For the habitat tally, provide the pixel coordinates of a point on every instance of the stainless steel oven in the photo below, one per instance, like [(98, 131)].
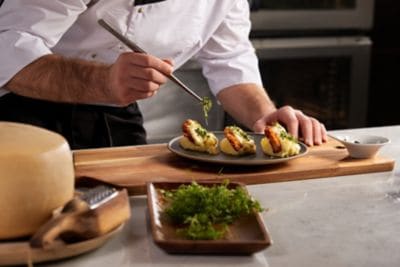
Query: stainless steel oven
[(326, 77), (315, 56)]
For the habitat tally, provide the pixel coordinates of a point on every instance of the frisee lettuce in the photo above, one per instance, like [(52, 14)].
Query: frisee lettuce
[(205, 212)]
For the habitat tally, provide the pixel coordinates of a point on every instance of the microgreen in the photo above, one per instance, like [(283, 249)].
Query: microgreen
[(205, 212)]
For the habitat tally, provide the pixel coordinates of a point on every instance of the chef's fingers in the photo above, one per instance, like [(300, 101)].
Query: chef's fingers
[(170, 61), (313, 131), (147, 74), (306, 127), (144, 86), (309, 129), (317, 133), (137, 95), (324, 133), (149, 61), (287, 116)]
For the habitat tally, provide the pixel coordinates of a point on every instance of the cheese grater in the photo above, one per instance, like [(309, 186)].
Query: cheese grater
[(94, 211)]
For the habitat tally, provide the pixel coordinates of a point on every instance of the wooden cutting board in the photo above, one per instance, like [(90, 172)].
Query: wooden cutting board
[(19, 252), (133, 166)]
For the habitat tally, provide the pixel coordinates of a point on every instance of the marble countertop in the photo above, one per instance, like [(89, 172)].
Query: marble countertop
[(338, 221)]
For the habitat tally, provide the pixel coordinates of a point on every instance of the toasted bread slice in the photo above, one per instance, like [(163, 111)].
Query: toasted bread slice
[(237, 142), (278, 142)]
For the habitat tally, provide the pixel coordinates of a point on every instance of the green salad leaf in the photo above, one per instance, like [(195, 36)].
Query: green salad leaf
[(204, 212)]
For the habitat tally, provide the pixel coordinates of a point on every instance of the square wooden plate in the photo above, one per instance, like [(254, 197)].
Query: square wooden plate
[(246, 235)]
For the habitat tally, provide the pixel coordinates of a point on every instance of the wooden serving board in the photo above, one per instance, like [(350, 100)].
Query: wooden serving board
[(133, 166), (20, 253)]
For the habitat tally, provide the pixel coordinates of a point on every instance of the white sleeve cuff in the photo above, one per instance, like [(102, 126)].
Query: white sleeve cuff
[(223, 73)]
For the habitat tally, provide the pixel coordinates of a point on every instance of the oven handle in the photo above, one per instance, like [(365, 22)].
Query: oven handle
[(278, 48)]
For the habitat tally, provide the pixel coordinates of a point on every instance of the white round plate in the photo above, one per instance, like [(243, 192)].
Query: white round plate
[(256, 159)]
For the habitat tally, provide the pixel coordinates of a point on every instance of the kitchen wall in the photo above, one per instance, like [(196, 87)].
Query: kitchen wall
[(385, 65)]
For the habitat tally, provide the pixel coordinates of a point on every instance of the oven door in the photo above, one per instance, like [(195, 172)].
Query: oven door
[(326, 77), (272, 15)]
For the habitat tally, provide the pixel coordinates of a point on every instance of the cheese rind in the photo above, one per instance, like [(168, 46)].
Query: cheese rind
[(36, 177)]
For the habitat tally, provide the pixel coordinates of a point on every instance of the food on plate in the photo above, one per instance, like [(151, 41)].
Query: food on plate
[(196, 137), (36, 177), (205, 212), (237, 142), (278, 142)]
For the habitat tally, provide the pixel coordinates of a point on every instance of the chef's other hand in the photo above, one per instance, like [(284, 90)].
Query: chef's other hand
[(309, 129), (136, 76)]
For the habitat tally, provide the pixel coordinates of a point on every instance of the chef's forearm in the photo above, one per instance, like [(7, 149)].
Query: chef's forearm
[(56, 78), (247, 103)]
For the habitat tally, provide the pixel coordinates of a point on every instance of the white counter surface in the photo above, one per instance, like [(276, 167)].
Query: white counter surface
[(342, 221)]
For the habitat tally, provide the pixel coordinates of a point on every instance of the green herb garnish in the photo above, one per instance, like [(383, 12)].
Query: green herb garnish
[(204, 212), (286, 135), (207, 105), (201, 131), (241, 133)]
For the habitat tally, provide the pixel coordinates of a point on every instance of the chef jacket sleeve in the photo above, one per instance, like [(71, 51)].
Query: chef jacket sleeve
[(228, 57), (30, 28)]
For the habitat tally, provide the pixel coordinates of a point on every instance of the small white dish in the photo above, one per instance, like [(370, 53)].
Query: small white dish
[(361, 146)]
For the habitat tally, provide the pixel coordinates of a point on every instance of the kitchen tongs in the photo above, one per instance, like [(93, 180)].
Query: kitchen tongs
[(134, 47)]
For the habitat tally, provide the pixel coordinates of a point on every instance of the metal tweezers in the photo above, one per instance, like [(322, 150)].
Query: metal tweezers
[(137, 49)]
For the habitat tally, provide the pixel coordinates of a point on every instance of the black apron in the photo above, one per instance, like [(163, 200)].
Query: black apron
[(83, 126)]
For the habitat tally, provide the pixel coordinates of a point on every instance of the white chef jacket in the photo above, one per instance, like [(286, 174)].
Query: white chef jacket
[(214, 32)]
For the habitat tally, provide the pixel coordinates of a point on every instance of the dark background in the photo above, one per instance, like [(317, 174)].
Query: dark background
[(384, 106)]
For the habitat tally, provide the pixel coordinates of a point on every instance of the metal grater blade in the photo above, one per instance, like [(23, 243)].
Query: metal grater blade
[(98, 195)]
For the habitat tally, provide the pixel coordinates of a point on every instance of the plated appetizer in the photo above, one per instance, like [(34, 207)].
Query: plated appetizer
[(237, 142), (197, 138), (278, 142)]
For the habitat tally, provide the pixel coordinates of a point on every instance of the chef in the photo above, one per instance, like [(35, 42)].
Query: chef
[(62, 71)]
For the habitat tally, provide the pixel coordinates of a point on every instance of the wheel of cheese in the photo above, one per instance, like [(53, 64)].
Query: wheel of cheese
[(36, 177)]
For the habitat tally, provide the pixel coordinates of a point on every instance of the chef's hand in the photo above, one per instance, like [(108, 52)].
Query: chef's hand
[(136, 76), (309, 129)]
